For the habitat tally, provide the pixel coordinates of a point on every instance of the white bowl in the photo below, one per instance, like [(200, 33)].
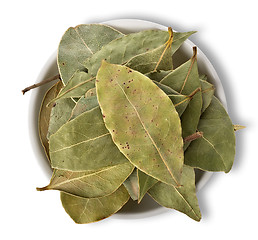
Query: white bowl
[(148, 206)]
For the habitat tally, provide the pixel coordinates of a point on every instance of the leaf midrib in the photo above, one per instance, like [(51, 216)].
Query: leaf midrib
[(222, 159), (76, 30), (76, 144), (153, 142)]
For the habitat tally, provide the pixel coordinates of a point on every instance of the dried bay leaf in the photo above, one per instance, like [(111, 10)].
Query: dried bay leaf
[(157, 59), (214, 151), (90, 184), (79, 43), (161, 57), (83, 144), (138, 184), (140, 123), (132, 186), (146, 182), (87, 210), (76, 86), (180, 102), (179, 38), (84, 105), (121, 50), (182, 199), (166, 89), (157, 76), (185, 80), (44, 115), (207, 94), (60, 114), (91, 92)]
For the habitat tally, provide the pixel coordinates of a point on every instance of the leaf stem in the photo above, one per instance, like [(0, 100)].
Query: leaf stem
[(194, 92), (193, 59), (192, 137), (45, 81), (42, 189), (168, 45)]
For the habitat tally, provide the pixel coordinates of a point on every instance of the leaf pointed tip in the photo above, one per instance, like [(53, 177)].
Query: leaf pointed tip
[(238, 127), (104, 62)]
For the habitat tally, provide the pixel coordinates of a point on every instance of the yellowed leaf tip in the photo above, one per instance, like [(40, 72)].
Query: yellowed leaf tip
[(238, 127)]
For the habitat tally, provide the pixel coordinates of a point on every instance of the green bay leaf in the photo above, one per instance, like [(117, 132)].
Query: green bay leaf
[(207, 93), (145, 183), (90, 184), (152, 60), (180, 102), (79, 43), (60, 114), (132, 186), (157, 76), (84, 105), (44, 115), (142, 120), (77, 85), (87, 210), (161, 57), (121, 50), (185, 80), (182, 199), (84, 143), (214, 151)]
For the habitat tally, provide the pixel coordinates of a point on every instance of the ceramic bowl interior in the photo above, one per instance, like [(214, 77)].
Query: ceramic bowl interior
[(148, 206)]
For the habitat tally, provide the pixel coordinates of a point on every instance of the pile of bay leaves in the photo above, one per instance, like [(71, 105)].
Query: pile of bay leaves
[(122, 122)]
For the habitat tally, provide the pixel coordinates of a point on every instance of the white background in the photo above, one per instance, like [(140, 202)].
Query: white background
[(30, 32)]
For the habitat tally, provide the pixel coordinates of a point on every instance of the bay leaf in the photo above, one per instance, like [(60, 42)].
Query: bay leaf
[(185, 80), (79, 43), (132, 186), (121, 50), (158, 75), (138, 184), (179, 38), (83, 144), (142, 121), (180, 102), (91, 92), (152, 60), (146, 182), (207, 93), (44, 115), (84, 105), (182, 199), (60, 114), (214, 151), (161, 57), (87, 210), (90, 184), (76, 86), (166, 89), (203, 77)]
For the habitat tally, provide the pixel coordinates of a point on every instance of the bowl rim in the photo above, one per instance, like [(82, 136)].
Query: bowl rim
[(126, 24)]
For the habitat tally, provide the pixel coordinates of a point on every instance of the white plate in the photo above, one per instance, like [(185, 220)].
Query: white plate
[(147, 207)]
